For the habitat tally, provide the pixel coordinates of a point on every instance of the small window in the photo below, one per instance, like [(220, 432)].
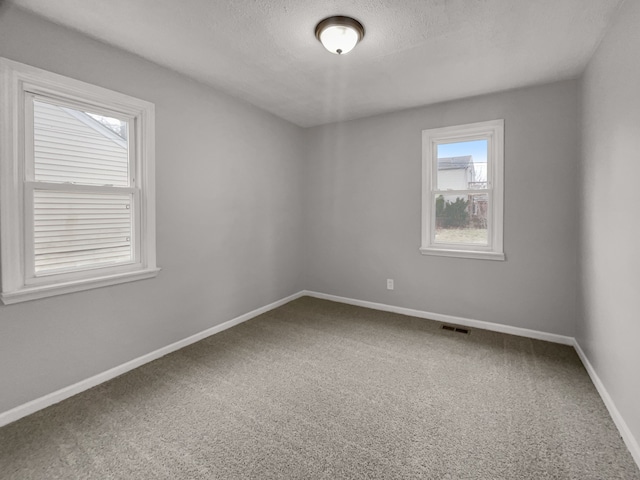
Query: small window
[(462, 187), (78, 175)]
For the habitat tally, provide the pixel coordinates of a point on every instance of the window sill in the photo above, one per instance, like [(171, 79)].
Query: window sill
[(441, 252), (42, 291)]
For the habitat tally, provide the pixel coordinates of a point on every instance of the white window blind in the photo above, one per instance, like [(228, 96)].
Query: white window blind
[(78, 230)]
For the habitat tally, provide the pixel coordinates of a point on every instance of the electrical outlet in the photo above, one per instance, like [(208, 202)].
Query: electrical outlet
[(389, 283)]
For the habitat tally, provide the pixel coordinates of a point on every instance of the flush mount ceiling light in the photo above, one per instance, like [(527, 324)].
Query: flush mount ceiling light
[(339, 34)]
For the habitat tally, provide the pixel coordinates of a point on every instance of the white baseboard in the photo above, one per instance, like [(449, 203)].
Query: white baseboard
[(623, 428), (467, 322), (64, 393)]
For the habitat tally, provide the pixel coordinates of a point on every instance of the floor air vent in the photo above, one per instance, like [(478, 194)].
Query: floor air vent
[(451, 328)]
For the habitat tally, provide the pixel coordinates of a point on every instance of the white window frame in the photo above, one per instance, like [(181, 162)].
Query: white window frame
[(18, 82), (493, 132)]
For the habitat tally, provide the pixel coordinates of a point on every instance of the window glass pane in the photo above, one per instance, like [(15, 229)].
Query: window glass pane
[(462, 219), (462, 165), (78, 230), (79, 147)]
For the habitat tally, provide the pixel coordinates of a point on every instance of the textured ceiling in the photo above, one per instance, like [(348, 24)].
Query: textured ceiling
[(415, 52)]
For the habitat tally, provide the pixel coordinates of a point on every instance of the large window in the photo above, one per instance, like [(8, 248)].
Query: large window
[(462, 191), (77, 205)]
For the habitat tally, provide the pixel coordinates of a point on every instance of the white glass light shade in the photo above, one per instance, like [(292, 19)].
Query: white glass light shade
[(339, 39), (339, 35)]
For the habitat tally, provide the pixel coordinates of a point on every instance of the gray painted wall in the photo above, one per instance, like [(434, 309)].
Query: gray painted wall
[(228, 221), (363, 212), (609, 325)]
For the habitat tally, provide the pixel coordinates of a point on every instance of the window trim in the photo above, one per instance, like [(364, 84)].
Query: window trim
[(493, 131), (18, 81)]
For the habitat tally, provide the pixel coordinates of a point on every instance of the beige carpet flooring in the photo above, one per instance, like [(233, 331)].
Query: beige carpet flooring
[(320, 390)]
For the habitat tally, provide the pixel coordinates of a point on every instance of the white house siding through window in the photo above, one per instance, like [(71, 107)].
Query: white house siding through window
[(75, 229)]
